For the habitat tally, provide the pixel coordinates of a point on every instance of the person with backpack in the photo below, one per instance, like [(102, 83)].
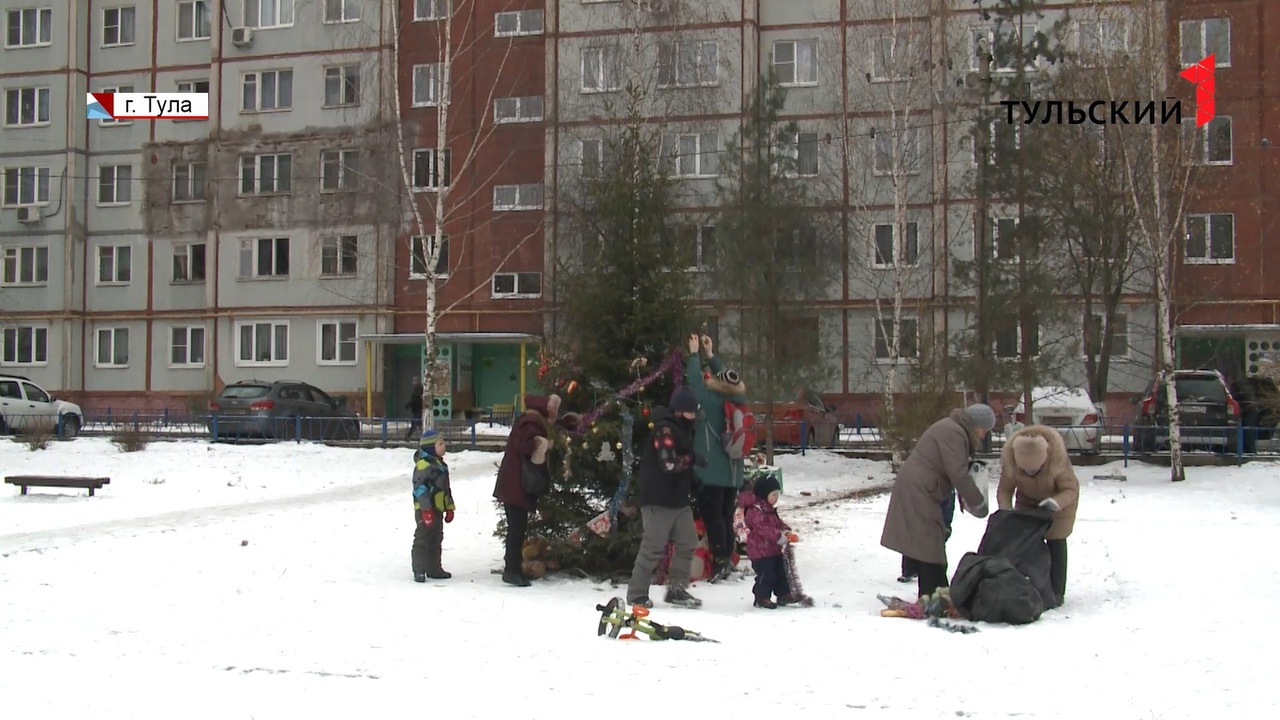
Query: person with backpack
[(724, 435)]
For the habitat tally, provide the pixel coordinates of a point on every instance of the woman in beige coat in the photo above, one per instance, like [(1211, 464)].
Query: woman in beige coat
[(942, 460), (1035, 471)]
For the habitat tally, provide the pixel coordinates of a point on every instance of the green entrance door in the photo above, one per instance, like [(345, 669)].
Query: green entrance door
[(496, 374)]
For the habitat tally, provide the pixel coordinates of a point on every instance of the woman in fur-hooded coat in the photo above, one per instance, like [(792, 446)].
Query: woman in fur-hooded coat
[(1036, 472)]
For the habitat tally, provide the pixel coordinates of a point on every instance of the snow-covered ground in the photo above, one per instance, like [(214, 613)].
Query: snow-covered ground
[(273, 582)]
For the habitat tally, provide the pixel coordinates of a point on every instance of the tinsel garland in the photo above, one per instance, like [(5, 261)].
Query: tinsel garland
[(628, 461), (671, 365), (793, 578)]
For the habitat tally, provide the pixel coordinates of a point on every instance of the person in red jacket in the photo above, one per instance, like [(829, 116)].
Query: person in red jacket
[(529, 440)]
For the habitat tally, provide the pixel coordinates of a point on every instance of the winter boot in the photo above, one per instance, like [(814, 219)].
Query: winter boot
[(439, 574), (720, 569), (419, 577), (907, 577), (681, 597), (788, 599), (643, 602), (764, 602), (515, 578), (436, 571)]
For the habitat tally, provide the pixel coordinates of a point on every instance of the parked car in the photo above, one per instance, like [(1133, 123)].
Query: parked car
[(1076, 418), (814, 417), (1209, 415), (283, 409), (24, 404), (1259, 399)]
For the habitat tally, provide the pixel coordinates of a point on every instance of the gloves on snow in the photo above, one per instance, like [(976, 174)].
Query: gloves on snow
[(699, 460), (448, 516), (1050, 504), (540, 447)]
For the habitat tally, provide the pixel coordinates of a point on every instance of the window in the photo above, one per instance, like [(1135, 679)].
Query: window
[(115, 264), (116, 89), (806, 249), (338, 255), (420, 257), (1003, 238), (115, 184), (25, 345), (193, 20), (517, 197), (186, 347), (697, 246), (337, 343), (262, 343), (1199, 39), (693, 155), (799, 342), (1211, 239), (1005, 140), (193, 86), (520, 22), (430, 9), (264, 258), (189, 182), (517, 285), (801, 149), (1094, 326), (599, 69), (26, 265), (897, 153), (1098, 39), (29, 27), (890, 251), (113, 348), (266, 90), (908, 339), (341, 11), (688, 64), (1008, 342), (517, 109), (117, 26), (795, 62), (26, 106), (342, 86), (426, 170), (427, 82), (1005, 45), (339, 170), (266, 14), (26, 186), (188, 262), (1208, 145), (596, 154), (266, 174), (895, 57)]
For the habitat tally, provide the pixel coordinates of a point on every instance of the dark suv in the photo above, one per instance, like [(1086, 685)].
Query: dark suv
[(1209, 416), (282, 409)]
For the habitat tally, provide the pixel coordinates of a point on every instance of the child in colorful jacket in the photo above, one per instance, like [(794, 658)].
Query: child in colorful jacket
[(432, 506), (767, 535)]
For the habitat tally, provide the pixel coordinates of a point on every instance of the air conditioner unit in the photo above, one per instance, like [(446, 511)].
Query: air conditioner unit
[(242, 36), (29, 214)]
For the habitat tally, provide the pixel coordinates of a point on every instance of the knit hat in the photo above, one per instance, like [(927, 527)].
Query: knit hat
[(683, 400), (764, 486), (981, 417), (428, 441), (1030, 453), (729, 376)]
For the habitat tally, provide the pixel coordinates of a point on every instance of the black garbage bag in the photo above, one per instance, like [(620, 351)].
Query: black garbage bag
[(1018, 536), (990, 589)]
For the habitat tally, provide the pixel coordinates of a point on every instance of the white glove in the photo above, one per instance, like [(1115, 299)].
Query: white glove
[(540, 447), (1050, 504), (782, 540)]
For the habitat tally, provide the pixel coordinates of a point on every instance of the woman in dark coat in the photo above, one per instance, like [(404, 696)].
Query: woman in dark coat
[(940, 463), (529, 440)]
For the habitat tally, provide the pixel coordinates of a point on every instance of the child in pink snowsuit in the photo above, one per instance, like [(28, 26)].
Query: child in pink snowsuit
[(767, 535)]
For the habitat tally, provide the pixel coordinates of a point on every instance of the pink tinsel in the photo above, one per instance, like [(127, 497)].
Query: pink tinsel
[(673, 363)]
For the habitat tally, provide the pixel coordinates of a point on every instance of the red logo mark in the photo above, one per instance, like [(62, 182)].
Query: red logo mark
[(1201, 75)]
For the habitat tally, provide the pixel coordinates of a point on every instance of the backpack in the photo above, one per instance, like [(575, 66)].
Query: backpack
[(739, 436)]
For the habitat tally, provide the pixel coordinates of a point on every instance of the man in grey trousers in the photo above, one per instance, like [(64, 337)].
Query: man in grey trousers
[(666, 481)]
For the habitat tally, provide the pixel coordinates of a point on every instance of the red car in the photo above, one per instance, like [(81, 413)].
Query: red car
[(818, 423)]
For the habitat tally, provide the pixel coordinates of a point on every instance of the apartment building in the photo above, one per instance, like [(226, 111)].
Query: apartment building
[(1229, 301), (147, 262), (867, 81), (479, 196)]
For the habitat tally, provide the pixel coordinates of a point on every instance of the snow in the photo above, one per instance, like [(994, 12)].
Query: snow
[(272, 582)]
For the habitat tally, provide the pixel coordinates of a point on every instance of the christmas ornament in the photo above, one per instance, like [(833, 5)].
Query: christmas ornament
[(619, 446), (606, 454), (573, 385)]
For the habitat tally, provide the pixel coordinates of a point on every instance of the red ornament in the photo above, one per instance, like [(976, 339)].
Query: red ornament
[(644, 411), (706, 376)]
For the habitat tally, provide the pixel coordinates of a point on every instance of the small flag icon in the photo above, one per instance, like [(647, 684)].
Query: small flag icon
[(99, 105)]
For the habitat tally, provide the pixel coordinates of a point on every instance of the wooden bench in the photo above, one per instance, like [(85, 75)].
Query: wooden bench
[(61, 481)]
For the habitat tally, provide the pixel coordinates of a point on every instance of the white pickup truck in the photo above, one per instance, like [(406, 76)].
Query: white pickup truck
[(24, 404)]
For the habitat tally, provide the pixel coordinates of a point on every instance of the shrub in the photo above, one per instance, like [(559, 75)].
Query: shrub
[(130, 438), (38, 433)]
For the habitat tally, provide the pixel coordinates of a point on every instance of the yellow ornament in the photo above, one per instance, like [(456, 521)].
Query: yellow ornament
[(618, 445), (584, 446), (651, 425)]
